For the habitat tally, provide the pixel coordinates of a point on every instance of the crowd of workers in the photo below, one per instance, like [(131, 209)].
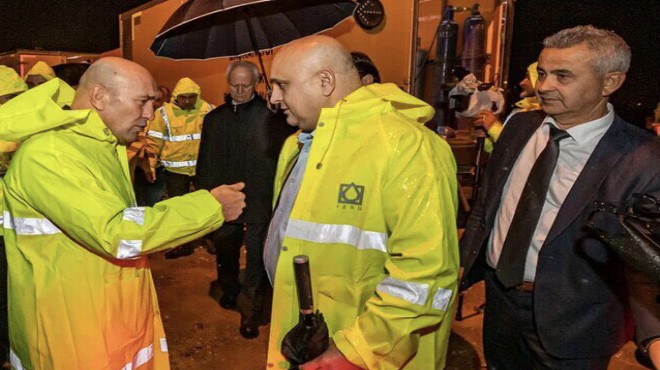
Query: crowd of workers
[(98, 178)]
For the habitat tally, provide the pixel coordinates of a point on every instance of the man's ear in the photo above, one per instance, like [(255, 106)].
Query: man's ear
[(367, 79), (98, 96), (328, 82), (612, 82)]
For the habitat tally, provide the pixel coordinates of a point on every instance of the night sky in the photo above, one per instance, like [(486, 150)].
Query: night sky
[(66, 25)]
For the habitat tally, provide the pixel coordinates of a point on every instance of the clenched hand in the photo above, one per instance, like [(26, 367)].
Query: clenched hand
[(231, 198)]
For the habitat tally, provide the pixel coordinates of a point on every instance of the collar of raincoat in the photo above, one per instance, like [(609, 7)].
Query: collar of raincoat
[(530, 103), (10, 81), (42, 69), (384, 98), (39, 110)]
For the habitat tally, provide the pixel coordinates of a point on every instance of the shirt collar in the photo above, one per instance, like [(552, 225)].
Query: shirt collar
[(588, 131)]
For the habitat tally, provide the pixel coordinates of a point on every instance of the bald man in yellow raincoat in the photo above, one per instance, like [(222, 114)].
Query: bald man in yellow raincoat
[(81, 295)]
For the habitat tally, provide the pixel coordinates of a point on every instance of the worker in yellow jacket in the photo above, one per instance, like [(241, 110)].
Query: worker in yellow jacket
[(174, 136), (81, 295), (11, 85), (39, 73), (175, 132), (369, 194), (491, 123)]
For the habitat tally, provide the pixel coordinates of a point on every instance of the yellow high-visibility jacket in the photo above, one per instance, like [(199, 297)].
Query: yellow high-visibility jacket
[(81, 295), (175, 133), (376, 214)]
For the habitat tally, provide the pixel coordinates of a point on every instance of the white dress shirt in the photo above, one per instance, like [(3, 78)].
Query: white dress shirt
[(574, 152)]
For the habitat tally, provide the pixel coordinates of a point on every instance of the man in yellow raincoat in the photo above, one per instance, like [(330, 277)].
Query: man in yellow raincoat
[(11, 85), (371, 198), (81, 295), (39, 73), (491, 123), (174, 136)]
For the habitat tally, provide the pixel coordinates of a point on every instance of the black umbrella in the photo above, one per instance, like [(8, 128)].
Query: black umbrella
[(640, 245), (204, 29), (310, 337)]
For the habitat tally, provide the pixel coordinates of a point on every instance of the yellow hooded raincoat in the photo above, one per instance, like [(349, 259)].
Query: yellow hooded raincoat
[(81, 295), (175, 133), (42, 69), (376, 216)]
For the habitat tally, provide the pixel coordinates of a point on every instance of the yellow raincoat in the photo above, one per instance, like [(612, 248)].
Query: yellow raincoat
[(42, 69), (376, 214), (10, 83), (81, 295), (175, 133), (523, 105)]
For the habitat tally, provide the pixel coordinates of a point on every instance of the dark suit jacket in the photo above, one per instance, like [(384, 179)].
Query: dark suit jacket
[(242, 143), (581, 298)]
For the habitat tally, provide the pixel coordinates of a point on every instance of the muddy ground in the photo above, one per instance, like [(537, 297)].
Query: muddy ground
[(203, 336)]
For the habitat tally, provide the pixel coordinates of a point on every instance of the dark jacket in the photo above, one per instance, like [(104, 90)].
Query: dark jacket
[(581, 299), (242, 143)]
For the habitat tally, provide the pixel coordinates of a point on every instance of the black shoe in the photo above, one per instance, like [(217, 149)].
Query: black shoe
[(181, 251), (228, 301), (249, 327)]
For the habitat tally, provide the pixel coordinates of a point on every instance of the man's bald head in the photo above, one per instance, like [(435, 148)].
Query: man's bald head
[(310, 74), (121, 92)]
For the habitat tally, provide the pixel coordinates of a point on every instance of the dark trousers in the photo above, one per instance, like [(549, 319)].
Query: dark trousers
[(146, 193), (228, 241), (177, 184), (510, 335)]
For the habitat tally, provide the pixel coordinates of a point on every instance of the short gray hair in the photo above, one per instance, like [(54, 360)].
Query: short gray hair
[(256, 76), (610, 52)]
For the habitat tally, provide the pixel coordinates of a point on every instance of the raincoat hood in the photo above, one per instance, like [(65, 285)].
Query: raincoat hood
[(530, 103), (42, 69), (533, 73), (10, 82), (187, 86), (387, 97), (40, 109)]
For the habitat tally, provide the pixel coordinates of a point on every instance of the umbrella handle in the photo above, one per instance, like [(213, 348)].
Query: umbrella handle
[(256, 50), (303, 284)]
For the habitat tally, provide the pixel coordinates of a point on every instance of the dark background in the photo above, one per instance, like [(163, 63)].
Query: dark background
[(638, 22), (65, 25), (93, 26)]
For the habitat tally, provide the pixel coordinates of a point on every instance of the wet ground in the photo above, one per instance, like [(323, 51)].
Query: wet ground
[(203, 336)]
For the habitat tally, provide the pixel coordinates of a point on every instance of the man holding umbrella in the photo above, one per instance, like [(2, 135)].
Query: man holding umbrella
[(369, 195)]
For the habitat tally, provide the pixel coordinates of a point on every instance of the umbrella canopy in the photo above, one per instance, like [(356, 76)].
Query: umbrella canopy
[(639, 247), (204, 29)]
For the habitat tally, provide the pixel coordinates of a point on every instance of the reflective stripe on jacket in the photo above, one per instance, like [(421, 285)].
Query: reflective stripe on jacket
[(376, 214), (81, 295), (175, 134)]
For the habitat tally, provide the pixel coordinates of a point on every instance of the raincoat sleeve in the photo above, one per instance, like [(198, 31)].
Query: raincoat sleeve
[(92, 212), (420, 208), (493, 134)]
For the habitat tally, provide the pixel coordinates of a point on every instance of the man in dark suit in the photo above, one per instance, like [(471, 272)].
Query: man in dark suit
[(556, 296), (241, 139)]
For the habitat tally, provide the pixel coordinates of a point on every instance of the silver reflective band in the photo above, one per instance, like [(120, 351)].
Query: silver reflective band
[(135, 214), (29, 226), (155, 134), (179, 164), (344, 234), (441, 299), (142, 357), (15, 361), (163, 345), (128, 249), (163, 114), (180, 138), (415, 293)]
